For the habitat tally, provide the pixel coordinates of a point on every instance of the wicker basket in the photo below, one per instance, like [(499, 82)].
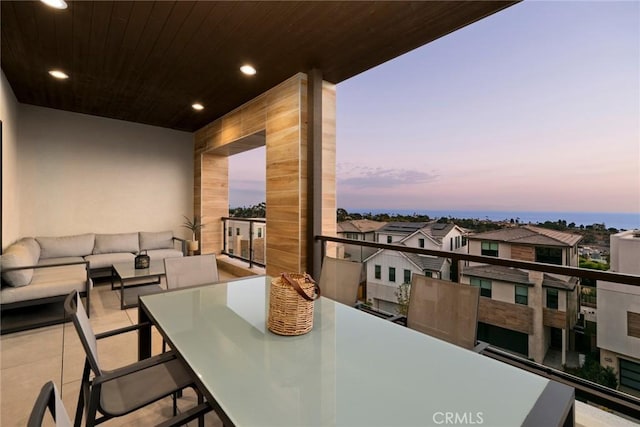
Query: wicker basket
[(291, 304)]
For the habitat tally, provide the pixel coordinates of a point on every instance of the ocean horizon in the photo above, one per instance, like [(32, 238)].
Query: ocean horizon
[(619, 220)]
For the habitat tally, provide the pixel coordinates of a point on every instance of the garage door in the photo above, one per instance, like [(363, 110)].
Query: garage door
[(504, 338), (630, 374)]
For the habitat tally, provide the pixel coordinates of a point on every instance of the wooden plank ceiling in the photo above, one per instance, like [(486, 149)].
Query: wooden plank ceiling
[(147, 62)]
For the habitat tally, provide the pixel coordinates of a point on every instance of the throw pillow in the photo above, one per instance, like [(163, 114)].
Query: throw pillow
[(113, 243), (159, 240), (21, 254), (65, 246)]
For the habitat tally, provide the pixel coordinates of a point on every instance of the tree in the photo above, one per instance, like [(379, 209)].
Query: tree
[(402, 294), (593, 371), (255, 211), (342, 215)]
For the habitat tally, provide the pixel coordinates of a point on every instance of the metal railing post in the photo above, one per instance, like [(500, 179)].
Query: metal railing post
[(250, 243)]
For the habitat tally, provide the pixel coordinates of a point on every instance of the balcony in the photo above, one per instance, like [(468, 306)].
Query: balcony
[(149, 176), (31, 357), (624, 404)]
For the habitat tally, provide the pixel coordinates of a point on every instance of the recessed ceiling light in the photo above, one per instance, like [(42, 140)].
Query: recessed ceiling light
[(248, 70), (197, 106), (59, 74), (57, 4)]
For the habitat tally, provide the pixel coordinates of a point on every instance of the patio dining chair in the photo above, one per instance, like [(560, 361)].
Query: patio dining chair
[(340, 279), (48, 398), (445, 310), (126, 389), (191, 271)]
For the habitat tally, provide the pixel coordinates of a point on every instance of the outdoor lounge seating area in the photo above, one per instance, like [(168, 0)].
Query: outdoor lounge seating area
[(43, 270)]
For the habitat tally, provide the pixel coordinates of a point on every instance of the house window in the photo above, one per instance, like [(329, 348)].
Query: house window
[(230, 231), (522, 295), (490, 248), (484, 285), (237, 231), (421, 243), (407, 276), (552, 298), (451, 244), (259, 233), (457, 242), (392, 274), (428, 274), (464, 240), (378, 271), (388, 239), (549, 255)]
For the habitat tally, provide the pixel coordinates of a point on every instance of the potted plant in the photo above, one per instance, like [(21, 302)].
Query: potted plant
[(194, 225)]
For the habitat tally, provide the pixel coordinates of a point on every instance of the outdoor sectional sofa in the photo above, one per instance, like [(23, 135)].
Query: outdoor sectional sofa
[(43, 270)]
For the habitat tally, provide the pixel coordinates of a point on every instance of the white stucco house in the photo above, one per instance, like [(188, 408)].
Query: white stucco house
[(618, 324), (388, 269)]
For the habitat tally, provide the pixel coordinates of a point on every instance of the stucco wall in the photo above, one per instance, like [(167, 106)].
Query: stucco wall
[(81, 173), (10, 207), (614, 301)]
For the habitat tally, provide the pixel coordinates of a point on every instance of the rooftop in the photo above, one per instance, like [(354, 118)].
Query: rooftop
[(399, 227), (359, 226), (531, 235), (515, 275)]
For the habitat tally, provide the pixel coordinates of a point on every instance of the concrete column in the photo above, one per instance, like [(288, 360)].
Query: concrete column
[(537, 348)]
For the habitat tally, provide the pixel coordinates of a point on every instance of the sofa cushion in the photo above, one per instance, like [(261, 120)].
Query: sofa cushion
[(61, 260), (160, 254), (65, 246), (159, 240), (23, 253), (112, 243), (48, 282), (107, 260)]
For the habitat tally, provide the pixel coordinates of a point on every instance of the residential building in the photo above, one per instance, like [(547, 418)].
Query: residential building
[(388, 269), (527, 312), (238, 234), (358, 229), (618, 322)]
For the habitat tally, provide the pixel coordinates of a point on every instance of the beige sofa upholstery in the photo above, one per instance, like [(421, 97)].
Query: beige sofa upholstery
[(45, 269)]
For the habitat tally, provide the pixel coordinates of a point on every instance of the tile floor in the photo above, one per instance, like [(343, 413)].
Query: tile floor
[(31, 358)]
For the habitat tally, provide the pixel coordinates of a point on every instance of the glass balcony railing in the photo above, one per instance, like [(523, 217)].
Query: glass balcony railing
[(245, 239), (530, 324)]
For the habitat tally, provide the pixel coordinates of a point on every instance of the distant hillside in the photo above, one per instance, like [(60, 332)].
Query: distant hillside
[(594, 235)]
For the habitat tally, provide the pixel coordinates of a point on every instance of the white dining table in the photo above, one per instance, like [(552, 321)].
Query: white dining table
[(351, 369)]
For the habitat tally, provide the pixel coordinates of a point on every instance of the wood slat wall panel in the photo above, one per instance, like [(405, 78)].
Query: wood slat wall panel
[(281, 114), (254, 116), (284, 146), (554, 318), (523, 253), (214, 202), (277, 113), (505, 315), (232, 126), (329, 202), (633, 324)]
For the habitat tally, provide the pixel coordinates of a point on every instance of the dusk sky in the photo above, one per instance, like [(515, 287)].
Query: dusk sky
[(535, 108)]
